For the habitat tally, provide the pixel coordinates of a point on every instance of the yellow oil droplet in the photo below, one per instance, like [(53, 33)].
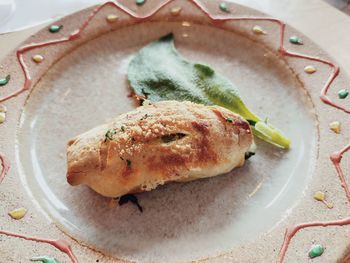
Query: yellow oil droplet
[(38, 58), (18, 213), (329, 205), (112, 18), (2, 117), (319, 196), (335, 126), (310, 69), (259, 30), (175, 11), (3, 108)]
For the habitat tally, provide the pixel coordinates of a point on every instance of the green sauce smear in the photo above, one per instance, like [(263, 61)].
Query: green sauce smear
[(55, 28), (45, 259), (316, 251), (5, 80), (159, 71)]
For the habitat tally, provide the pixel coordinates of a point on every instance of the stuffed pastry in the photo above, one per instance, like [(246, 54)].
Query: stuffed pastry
[(167, 141)]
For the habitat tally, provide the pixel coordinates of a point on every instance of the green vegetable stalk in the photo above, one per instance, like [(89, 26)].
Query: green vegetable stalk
[(160, 73)]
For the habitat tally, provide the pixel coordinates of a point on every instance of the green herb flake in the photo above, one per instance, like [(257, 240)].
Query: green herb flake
[(128, 162), (172, 137), (251, 123), (247, 155), (145, 93), (109, 135), (145, 116), (130, 198), (183, 80), (230, 120), (122, 128)]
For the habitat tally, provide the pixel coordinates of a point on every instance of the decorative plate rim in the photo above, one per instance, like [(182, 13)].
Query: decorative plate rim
[(335, 157)]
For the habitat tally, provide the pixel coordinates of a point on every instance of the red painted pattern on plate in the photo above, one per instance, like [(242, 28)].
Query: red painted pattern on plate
[(335, 157), (290, 233), (336, 160), (60, 244), (5, 163)]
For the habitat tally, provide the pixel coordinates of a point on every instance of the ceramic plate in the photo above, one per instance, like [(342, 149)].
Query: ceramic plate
[(265, 211)]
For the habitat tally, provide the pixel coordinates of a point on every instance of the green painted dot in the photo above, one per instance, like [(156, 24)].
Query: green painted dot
[(316, 251), (295, 40), (140, 2), (45, 259), (4, 81), (55, 28), (343, 93), (224, 8)]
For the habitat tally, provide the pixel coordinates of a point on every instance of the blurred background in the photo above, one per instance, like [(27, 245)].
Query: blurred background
[(20, 14), (343, 5)]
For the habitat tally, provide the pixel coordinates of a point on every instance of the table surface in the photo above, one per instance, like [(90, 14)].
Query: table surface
[(327, 26)]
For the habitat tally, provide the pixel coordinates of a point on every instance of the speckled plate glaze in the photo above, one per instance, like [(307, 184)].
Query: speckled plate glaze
[(71, 77)]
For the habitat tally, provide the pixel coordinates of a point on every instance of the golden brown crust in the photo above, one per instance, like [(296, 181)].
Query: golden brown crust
[(155, 144)]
